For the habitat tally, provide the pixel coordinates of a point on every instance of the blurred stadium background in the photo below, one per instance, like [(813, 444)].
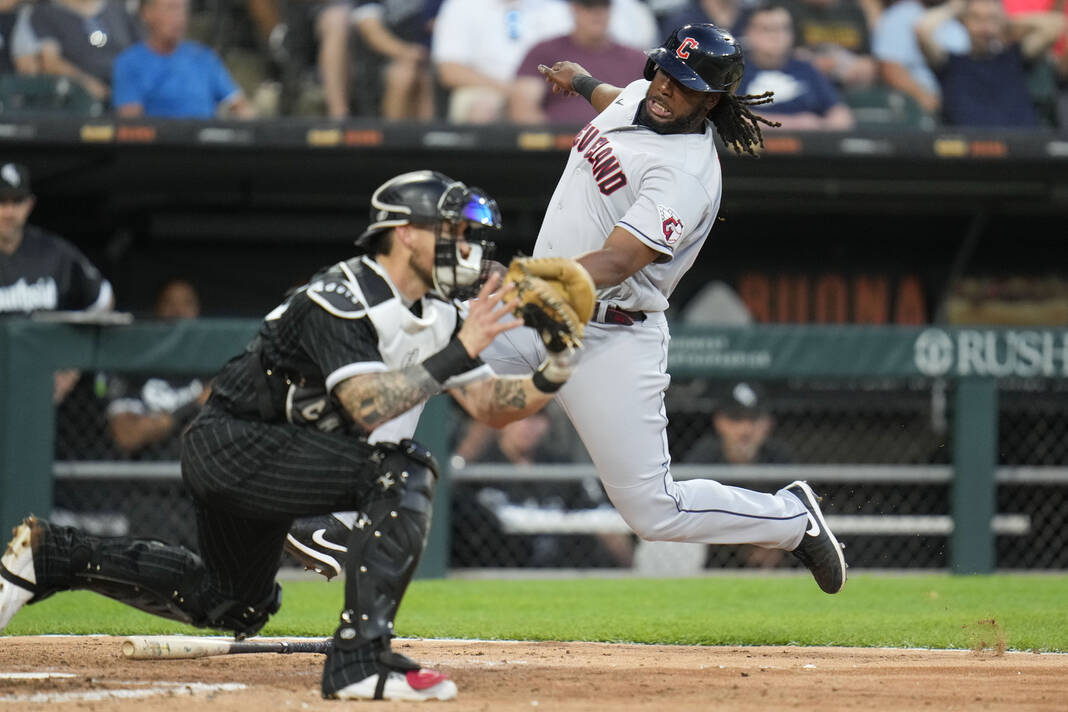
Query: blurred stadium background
[(881, 451), (888, 229)]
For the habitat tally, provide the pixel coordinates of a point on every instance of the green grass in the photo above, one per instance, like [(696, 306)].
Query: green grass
[(898, 611)]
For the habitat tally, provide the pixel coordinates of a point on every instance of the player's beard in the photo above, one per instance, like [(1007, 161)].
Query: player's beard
[(424, 275), (682, 124)]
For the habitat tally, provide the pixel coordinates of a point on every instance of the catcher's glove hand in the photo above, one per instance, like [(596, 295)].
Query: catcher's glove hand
[(556, 297)]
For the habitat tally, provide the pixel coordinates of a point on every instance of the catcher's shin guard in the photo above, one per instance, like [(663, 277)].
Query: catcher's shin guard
[(385, 544), (383, 550), (161, 579)]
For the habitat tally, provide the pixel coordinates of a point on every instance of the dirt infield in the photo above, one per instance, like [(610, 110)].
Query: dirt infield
[(90, 673)]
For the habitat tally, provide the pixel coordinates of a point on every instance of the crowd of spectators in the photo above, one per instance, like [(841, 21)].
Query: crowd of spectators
[(833, 64)]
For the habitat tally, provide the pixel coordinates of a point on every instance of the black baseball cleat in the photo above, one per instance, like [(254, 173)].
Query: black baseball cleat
[(319, 543), (18, 584), (819, 550)]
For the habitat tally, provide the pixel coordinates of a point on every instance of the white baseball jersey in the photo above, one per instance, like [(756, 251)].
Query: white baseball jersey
[(663, 189)]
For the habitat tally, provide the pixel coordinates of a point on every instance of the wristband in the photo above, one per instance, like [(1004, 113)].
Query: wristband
[(450, 361), (584, 85), (553, 373)]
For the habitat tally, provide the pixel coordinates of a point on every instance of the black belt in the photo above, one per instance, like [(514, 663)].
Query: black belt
[(608, 314)]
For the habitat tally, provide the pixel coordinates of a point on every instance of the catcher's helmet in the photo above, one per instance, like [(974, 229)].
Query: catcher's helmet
[(430, 199), (427, 198), (700, 56)]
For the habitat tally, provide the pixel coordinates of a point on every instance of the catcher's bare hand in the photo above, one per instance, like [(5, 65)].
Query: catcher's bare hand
[(560, 76), (485, 317)]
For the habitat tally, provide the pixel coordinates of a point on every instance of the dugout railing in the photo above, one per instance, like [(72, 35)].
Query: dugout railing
[(971, 360)]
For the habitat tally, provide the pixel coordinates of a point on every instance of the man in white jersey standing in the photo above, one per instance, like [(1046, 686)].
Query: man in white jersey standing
[(639, 195)]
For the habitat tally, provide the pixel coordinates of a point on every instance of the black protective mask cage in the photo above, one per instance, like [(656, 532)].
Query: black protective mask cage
[(457, 277), (449, 270)]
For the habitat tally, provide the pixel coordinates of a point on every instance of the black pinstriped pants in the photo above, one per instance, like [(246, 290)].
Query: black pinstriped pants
[(250, 480)]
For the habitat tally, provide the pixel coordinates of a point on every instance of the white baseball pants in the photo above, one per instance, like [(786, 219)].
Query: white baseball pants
[(615, 399)]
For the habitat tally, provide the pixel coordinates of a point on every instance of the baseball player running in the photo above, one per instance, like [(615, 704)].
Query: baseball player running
[(639, 195), (357, 349)]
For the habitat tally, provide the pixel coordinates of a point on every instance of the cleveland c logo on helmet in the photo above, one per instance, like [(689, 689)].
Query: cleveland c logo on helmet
[(683, 51), (699, 56)]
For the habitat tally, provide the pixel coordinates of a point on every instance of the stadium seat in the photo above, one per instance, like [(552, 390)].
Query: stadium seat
[(45, 95), (1042, 85), (885, 109)]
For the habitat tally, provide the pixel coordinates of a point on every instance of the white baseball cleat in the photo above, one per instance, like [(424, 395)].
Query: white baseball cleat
[(411, 686), (17, 579)]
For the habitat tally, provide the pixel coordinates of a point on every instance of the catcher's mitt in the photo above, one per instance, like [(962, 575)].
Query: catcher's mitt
[(556, 297)]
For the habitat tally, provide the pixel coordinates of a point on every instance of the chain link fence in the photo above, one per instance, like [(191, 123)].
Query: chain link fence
[(116, 468), (878, 450)]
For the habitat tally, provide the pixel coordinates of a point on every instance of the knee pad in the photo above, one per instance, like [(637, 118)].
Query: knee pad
[(241, 617), (385, 544)]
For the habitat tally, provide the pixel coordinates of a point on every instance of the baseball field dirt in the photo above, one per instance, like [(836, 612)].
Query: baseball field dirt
[(89, 673)]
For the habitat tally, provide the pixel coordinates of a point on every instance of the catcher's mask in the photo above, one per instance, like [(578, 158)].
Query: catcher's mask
[(457, 276), (701, 57), (434, 201)]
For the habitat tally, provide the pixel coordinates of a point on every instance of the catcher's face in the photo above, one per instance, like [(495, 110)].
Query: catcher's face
[(459, 262), (445, 261), (461, 253), (425, 245)]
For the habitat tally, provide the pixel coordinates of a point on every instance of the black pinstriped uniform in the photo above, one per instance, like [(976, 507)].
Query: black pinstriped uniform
[(254, 465), (271, 445), (48, 273)]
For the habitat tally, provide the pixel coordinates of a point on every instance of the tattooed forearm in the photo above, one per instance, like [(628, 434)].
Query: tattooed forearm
[(510, 393), (501, 400), (374, 398)]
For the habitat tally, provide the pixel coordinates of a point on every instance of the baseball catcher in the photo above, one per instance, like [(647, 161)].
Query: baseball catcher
[(315, 416)]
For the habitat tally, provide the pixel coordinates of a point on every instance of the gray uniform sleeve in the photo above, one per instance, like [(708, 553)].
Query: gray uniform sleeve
[(671, 209)]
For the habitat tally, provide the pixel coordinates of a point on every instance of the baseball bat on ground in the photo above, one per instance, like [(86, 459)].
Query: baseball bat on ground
[(184, 647)]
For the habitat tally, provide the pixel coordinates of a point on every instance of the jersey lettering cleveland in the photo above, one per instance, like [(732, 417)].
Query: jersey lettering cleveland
[(347, 321), (663, 189)]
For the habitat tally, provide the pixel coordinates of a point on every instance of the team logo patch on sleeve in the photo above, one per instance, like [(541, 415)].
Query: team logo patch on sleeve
[(670, 224)]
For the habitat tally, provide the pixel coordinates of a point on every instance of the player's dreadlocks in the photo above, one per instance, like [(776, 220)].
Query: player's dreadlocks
[(737, 125)]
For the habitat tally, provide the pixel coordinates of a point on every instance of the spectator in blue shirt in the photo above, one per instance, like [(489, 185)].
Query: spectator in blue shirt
[(804, 97), (167, 75)]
